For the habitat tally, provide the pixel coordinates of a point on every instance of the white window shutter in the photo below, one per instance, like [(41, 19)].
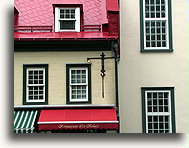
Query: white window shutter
[(56, 19), (77, 16)]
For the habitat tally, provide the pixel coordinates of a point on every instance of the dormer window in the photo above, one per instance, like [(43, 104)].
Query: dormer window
[(67, 19)]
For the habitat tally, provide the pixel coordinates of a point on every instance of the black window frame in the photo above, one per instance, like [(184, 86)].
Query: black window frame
[(172, 105), (25, 66), (169, 30), (80, 65)]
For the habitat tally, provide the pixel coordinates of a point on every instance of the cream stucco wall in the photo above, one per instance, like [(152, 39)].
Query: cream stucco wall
[(57, 74), (138, 69)]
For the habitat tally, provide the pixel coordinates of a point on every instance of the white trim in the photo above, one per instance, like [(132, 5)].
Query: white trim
[(77, 16), (65, 106), (76, 19), (77, 122), (169, 113), (77, 84), (27, 84), (56, 24), (156, 19)]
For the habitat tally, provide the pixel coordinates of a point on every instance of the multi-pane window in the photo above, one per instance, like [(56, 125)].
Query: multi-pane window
[(156, 24), (35, 84), (67, 19), (78, 84), (158, 110)]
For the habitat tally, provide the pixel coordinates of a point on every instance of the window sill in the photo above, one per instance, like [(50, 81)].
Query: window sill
[(67, 31), (156, 50), (79, 102), (35, 103)]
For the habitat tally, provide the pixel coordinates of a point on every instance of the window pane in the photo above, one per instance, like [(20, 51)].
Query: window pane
[(79, 92), (151, 1), (61, 10), (157, 1), (154, 10), (67, 11), (79, 76), (157, 105), (154, 95), (73, 11), (35, 77), (61, 16), (40, 97), (30, 97), (72, 15), (67, 25), (147, 44), (79, 87), (149, 101)]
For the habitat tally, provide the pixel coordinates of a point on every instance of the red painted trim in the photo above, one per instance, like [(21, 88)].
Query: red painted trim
[(95, 35), (62, 39), (112, 5)]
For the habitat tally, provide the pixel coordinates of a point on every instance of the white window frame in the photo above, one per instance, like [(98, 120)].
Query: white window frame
[(77, 84), (156, 19), (27, 85), (57, 19), (169, 113)]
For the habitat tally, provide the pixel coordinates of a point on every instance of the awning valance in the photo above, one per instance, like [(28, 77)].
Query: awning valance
[(24, 121), (78, 119)]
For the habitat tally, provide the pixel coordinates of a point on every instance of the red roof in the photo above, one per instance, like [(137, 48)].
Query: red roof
[(78, 119), (62, 35), (40, 12)]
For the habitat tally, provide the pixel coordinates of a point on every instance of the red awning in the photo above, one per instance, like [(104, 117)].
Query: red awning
[(78, 119)]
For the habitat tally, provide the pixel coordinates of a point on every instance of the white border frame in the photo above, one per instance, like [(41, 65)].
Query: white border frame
[(82, 84), (77, 19), (27, 85), (159, 113), (156, 19)]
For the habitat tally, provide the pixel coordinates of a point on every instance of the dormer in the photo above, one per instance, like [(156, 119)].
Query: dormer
[(68, 18)]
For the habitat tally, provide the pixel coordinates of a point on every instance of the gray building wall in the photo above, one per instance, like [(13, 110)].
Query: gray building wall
[(157, 69)]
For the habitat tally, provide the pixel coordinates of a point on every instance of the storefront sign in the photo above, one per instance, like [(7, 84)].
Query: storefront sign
[(78, 126)]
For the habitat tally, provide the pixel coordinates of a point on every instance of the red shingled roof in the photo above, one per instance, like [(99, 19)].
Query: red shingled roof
[(40, 13)]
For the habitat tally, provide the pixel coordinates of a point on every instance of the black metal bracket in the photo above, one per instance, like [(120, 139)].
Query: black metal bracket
[(103, 58)]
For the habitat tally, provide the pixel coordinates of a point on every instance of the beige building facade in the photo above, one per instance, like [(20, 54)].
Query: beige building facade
[(65, 66), (157, 71), (57, 75)]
